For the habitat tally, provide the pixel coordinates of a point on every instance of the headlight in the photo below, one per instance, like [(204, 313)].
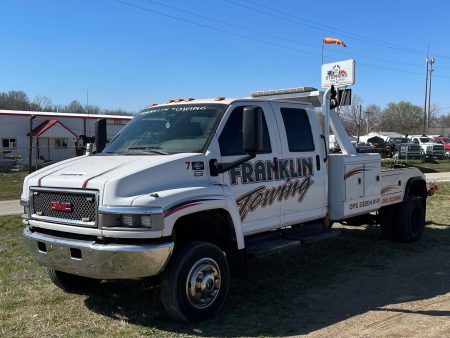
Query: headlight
[(429, 147), (127, 220), (136, 221), (131, 218), (146, 221)]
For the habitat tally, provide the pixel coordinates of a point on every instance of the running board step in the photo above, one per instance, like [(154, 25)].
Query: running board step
[(265, 248), (281, 240), (311, 236)]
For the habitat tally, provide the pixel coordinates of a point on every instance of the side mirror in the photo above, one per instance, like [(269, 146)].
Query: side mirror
[(100, 135), (252, 128)]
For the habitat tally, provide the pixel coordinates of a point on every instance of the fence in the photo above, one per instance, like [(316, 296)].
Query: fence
[(43, 155)]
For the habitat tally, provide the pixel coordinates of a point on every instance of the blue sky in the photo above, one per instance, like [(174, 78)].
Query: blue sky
[(128, 57)]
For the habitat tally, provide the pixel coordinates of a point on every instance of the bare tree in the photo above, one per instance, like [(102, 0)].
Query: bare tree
[(18, 100), (14, 100), (434, 120), (350, 116), (74, 107), (372, 115), (44, 103)]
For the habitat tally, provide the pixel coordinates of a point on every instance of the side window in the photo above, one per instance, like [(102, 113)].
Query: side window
[(9, 143), (298, 129), (60, 143), (231, 139)]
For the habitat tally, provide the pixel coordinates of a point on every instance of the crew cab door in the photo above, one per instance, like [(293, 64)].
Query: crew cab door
[(302, 165), (251, 182)]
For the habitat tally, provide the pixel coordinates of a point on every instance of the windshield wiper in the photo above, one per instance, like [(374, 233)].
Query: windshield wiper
[(150, 150)]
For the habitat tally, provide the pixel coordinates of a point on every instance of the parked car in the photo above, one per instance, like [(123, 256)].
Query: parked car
[(402, 147), (445, 142)]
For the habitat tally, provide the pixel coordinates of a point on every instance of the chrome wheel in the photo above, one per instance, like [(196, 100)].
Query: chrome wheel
[(195, 282), (203, 283)]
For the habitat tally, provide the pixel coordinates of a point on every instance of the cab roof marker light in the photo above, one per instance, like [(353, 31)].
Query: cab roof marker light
[(152, 105), (219, 98), (170, 101), (283, 91), (179, 100), (189, 99)]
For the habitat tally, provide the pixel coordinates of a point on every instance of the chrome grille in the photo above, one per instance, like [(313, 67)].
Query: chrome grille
[(438, 149), (80, 206), (414, 148)]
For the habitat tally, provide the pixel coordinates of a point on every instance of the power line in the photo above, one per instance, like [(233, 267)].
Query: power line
[(213, 28), (317, 26), (265, 34), (231, 24), (244, 36), (287, 39)]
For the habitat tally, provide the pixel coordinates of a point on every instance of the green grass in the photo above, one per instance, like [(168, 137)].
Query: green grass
[(291, 293), (11, 184), (426, 166)]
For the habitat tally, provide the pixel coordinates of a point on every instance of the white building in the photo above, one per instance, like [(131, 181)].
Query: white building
[(55, 135)]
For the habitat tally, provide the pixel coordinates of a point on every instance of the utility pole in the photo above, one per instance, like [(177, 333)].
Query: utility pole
[(87, 101), (367, 121), (30, 148), (359, 125), (424, 131), (429, 93)]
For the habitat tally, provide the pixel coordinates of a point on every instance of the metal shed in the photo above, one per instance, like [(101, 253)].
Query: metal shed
[(55, 135)]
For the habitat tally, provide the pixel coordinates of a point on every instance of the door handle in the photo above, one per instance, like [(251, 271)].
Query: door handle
[(325, 148)]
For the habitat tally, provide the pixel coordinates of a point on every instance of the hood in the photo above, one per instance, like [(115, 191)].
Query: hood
[(120, 179)]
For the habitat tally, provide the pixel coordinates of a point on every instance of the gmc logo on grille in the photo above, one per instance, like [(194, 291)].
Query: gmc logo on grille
[(60, 206)]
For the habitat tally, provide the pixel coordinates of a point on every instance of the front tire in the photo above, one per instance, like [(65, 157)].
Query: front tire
[(195, 283), (71, 283)]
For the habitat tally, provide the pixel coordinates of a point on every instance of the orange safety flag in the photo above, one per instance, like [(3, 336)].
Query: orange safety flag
[(334, 40)]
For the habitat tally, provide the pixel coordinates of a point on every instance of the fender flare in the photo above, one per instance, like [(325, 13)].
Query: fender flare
[(416, 185), (225, 203)]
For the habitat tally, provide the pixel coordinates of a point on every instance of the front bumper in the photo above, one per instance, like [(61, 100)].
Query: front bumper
[(94, 260)]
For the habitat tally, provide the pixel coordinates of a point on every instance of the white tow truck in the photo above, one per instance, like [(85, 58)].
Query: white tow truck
[(189, 189)]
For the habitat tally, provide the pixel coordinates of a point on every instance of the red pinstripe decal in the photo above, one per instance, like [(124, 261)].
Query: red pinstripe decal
[(107, 171), (40, 179), (353, 172), (388, 189), (170, 212)]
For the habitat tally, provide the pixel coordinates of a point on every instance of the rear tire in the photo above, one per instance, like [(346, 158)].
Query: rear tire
[(410, 219), (72, 283), (195, 283)]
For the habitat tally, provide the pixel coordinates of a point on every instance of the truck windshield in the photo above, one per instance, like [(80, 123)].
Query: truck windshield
[(424, 139), (167, 130), (400, 140)]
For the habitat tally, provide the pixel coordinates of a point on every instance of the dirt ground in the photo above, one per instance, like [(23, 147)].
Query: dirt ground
[(410, 298)]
